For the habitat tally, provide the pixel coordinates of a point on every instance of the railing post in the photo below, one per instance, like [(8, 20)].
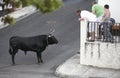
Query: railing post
[(83, 37)]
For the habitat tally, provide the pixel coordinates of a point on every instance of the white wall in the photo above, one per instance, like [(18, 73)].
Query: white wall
[(98, 54), (114, 8)]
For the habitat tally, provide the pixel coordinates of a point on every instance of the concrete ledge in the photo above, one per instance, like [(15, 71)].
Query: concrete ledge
[(105, 55)]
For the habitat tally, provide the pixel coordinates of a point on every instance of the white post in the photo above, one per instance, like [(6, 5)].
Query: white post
[(83, 37)]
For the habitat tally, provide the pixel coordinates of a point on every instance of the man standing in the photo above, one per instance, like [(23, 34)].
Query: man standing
[(2, 3)]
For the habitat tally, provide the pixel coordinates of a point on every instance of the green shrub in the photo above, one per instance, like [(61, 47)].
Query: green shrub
[(8, 20), (17, 4)]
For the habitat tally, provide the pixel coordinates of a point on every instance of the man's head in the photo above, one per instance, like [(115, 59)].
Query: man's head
[(94, 2), (78, 12), (106, 6)]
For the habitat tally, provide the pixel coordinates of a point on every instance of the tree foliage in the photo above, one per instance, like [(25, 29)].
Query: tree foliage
[(7, 19), (44, 6)]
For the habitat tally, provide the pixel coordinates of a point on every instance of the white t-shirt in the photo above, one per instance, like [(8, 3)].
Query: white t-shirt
[(89, 16)]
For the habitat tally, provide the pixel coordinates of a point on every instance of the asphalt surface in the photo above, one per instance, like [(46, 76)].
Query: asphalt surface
[(66, 25)]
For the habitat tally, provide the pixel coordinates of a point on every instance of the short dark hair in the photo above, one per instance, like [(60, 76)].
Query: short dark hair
[(78, 11), (106, 6), (94, 2)]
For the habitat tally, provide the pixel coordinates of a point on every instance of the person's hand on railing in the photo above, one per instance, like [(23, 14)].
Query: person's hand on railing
[(81, 19)]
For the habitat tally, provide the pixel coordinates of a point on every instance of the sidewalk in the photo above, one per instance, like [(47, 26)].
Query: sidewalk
[(20, 14), (73, 69)]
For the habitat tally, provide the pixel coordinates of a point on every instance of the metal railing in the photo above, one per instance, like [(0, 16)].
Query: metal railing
[(104, 32)]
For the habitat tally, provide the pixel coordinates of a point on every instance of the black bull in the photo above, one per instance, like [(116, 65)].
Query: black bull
[(36, 44)]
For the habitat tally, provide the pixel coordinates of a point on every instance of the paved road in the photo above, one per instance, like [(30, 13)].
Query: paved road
[(67, 33)]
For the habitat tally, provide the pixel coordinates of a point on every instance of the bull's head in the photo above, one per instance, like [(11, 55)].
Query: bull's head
[(52, 39)]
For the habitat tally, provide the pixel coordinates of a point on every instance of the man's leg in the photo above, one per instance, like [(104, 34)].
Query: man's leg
[(3, 7)]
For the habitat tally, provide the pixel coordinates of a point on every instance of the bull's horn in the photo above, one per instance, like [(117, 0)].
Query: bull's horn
[(52, 31)]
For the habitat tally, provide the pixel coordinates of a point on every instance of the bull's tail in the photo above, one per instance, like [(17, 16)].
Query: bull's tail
[(25, 52), (10, 50)]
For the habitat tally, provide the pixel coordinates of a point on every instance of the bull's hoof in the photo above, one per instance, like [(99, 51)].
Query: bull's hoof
[(13, 64), (40, 62)]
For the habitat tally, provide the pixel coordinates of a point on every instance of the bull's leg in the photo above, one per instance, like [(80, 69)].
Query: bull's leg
[(12, 53), (25, 52), (13, 56), (39, 57), (13, 59)]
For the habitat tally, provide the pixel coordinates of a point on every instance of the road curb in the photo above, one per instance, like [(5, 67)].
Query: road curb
[(72, 68), (61, 68)]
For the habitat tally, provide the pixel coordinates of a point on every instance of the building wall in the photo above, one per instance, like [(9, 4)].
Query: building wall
[(114, 8)]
